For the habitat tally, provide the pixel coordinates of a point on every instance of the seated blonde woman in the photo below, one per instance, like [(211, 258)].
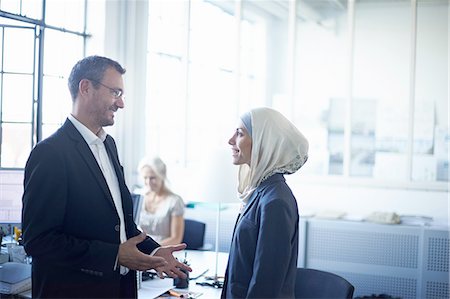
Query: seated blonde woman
[(162, 210)]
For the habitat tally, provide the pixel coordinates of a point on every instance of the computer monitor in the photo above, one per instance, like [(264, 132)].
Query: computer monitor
[(11, 191)]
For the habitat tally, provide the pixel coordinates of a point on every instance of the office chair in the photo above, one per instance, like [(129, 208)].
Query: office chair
[(311, 283), (194, 234), (137, 204)]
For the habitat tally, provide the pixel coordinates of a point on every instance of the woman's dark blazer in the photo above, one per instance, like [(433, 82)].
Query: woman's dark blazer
[(70, 224), (264, 249)]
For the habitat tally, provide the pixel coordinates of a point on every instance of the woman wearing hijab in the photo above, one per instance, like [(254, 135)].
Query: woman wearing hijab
[(264, 249)]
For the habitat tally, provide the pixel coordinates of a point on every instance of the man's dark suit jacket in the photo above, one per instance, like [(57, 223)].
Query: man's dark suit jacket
[(264, 249), (70, 224)]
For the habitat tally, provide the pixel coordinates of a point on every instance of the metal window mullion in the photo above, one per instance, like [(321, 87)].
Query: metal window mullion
[(40, 76), (33, 141), (2, 43), (85, 26), (187, 90), (412, 87), (349, 106), (238, 62), (292, 17)]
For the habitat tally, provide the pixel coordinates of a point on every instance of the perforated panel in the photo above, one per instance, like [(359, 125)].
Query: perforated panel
[(438, 254), (366, 247), (366, 285), (437, 290)]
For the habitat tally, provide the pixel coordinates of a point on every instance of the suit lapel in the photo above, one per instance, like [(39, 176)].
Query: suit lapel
[(250, 203), (112, 153), (86, 154)]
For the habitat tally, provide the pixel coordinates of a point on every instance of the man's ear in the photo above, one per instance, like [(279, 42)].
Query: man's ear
[(83, 87)]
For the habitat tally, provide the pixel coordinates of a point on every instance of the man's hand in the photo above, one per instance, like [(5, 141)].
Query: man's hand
[(130, 256), (173, 266)]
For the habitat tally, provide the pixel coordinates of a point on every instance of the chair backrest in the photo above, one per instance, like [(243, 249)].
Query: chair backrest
[(194, 234), (311, 283), (137, 203)]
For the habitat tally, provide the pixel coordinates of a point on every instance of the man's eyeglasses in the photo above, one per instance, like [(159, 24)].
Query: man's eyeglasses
[(117, 93)]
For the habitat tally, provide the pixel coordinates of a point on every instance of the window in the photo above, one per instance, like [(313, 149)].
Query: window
[(32, 105), (192, 86), (354, 76)]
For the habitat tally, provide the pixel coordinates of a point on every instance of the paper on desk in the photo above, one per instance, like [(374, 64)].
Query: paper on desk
[(154, 288)]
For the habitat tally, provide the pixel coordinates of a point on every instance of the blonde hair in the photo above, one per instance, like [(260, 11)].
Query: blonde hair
[(158, 166)]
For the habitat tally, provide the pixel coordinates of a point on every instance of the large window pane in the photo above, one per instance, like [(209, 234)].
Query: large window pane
[(270, 30), (56, 100), (165, 92), (1, 48), (17, 99), (167, 27), (32, 9), (211, 85), (16, 145), (167, 46), (61, 50), (253, 57), (321, 83), (212, 36), (381, 85), (48, 130), (67, 14), (431, 120), (29, 8), (12, 6), (18, 50)]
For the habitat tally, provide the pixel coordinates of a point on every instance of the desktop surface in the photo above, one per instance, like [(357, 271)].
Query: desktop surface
[(203, 264)]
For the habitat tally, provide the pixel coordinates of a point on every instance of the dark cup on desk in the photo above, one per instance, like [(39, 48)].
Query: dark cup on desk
[(182, 283)]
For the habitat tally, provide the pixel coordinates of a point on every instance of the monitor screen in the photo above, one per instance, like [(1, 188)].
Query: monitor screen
[(11, 191)]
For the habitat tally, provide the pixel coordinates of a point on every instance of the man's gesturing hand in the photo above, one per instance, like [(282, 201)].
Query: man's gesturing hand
[(173, 266), (130, 256)]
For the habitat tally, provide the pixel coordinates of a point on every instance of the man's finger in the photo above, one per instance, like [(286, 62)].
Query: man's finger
[(177, 272), (184, 267), (178, 247)]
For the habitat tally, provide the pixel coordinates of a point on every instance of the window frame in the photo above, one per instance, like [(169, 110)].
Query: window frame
[(40, 26)]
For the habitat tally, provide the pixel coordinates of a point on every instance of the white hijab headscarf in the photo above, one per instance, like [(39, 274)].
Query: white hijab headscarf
[(277, 147)]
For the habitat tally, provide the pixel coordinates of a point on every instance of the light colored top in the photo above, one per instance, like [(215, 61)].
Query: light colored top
[(157, 224)]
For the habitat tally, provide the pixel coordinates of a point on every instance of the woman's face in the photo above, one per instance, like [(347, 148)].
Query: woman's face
[(241, 145), (151, 180)]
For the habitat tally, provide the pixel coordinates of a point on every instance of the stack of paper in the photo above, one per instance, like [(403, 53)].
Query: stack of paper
[(14, 278)]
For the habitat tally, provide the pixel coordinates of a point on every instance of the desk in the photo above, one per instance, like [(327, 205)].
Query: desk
[(199, 261)]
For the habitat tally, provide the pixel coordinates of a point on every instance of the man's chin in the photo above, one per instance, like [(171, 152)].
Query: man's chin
[(108, 123)]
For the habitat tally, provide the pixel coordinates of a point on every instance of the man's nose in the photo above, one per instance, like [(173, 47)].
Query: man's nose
[(120, 103)]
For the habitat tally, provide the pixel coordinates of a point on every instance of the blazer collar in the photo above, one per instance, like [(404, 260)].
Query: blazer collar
[(253, 198)]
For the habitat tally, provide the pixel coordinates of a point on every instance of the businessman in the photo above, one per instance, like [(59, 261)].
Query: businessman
[(77, 211)]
